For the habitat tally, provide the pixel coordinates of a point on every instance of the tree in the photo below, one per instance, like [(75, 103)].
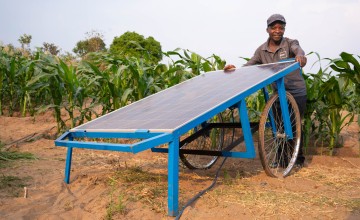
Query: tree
[(51, 48), (68, 58), (93, 43), (10, 49), (25, 40), (132, 44)]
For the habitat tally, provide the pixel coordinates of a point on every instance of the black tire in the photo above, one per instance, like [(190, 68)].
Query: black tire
[(277, 154), (213, 139)]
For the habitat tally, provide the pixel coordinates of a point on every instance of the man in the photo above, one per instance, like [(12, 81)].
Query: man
[(277, 48)]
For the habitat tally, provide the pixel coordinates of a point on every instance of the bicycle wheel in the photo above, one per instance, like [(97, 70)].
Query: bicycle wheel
[(278, 153), (211, 139)]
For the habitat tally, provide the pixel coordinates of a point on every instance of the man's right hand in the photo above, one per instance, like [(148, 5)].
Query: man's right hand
[(301, 59), (229, 67)]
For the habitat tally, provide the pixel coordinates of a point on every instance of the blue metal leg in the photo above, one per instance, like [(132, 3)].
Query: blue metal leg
[(284, 107), (68, 165), (266, 94), (271, 114), (173, 177), (245, 125)]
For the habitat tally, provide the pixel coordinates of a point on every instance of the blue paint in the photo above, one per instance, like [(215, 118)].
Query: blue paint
[(284, 107), (173, 177), (245, 124)]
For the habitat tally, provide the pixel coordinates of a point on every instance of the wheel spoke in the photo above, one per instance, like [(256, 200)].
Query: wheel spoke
[(211, 140), (277, 152)]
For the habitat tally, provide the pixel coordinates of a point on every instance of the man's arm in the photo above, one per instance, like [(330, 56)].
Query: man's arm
[(254, 60), (299, 52)]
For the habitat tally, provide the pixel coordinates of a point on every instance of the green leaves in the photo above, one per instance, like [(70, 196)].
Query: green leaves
[(328, 95), (107, 80), (132, 44)]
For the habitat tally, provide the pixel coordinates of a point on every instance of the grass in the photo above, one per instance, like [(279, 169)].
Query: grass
[(333, 187), (13, 155), (288, 202), (354, 204), (135, 175), (334, 177), (12, 185), (115, 207), (10, 181), (133, 184), (9, 156), (229, 180)]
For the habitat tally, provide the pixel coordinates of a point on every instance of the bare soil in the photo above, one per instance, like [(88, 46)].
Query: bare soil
[(114, 185)]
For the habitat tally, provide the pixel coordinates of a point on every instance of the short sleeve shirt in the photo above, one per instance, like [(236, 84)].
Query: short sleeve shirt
[(294, 82)]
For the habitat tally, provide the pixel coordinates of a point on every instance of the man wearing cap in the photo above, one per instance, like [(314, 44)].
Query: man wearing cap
[(277, 48)]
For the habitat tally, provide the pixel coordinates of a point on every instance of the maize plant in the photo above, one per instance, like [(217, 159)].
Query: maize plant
[(54, 87), (335, 100), (109, 81), (327, 97), (12, 67), (348, 68), (42, 81)]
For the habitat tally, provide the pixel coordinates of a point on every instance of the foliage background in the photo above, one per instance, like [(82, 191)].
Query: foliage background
[(34, 81)]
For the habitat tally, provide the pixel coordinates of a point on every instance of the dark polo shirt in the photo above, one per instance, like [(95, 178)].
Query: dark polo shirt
[(294, 82)]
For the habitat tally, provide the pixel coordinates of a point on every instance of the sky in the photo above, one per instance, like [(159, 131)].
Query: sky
[(230, 29)]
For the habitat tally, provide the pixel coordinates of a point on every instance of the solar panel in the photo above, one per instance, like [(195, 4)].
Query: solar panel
[(171, 108)]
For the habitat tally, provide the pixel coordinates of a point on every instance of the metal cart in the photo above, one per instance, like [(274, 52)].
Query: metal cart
[(195, 122)]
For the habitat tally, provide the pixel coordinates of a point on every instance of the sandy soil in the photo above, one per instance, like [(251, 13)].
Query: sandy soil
[(112, 185)]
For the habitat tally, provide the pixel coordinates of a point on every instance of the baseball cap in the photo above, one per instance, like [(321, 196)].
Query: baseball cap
[(275, 17)]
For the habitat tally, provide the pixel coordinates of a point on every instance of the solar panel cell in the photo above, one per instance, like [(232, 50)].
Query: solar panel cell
[(171, 108)]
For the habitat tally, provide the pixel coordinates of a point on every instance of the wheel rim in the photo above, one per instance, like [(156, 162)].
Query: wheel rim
[(211, 140), (278, 154)]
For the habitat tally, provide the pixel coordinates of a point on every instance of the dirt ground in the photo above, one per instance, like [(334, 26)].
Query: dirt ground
[(113, 185)]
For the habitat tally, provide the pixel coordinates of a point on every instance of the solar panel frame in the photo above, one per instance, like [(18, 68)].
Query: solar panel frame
[(190, 102)]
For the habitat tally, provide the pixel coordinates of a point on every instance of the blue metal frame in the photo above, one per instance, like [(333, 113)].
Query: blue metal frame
[(271, 115), (173, 177), (154, 139), (284, 108), (150, 140)]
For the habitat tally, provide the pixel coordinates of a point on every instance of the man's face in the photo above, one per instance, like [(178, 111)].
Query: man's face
[(276, 32)]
